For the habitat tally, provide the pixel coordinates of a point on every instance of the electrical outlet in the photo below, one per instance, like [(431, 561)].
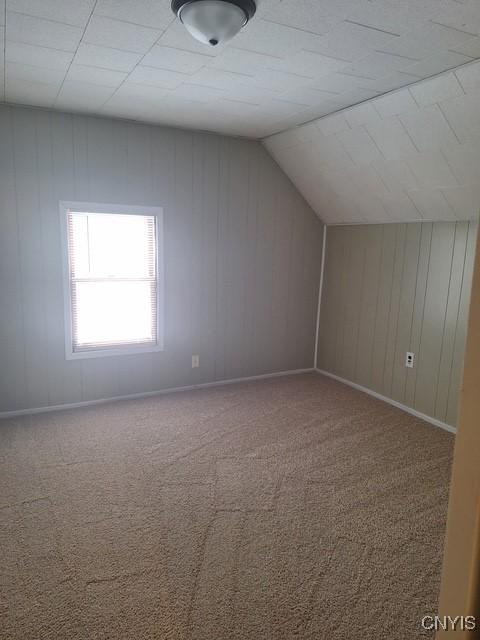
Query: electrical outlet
[(195, 362), (410, 360)]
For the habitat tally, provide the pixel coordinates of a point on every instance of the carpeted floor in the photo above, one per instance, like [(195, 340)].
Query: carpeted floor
[(293, 508)]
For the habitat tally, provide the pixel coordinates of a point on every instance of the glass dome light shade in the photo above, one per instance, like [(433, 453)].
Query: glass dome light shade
[(212, 22)]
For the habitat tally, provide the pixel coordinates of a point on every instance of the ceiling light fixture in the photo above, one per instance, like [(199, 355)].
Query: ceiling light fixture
[(214, 22)]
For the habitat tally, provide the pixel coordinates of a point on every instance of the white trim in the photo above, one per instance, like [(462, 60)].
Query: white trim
[(320, 292), (102, 207), (399, 405), (147, 394)]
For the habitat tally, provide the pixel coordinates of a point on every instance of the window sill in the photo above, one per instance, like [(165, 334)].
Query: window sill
[(126, 350)]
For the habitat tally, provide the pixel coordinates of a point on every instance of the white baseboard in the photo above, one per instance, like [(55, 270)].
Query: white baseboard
[(147, 394), (399, 405)]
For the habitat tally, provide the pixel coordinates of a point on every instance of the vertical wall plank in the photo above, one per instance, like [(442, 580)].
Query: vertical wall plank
[(394, 308), (353, 300), (66, 385), (461, 326), (234, 273), (429, 352), (368, 303), (405, 310), (389, 246), (12, 344), (451, 316), (418, 309)]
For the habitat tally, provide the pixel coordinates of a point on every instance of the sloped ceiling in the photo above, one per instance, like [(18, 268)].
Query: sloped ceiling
[(295, 61), (413, 154)]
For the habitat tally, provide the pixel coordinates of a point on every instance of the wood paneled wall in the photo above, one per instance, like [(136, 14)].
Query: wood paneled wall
[(242, 255), (389, 289)]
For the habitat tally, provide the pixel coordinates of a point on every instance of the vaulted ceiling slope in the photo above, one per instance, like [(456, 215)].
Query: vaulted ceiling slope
[(295, 61), (410, 155)]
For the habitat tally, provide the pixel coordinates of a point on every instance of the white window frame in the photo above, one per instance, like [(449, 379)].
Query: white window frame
[(101, 207)]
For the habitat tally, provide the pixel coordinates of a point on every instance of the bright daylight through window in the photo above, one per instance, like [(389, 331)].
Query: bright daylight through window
[(113, 283)]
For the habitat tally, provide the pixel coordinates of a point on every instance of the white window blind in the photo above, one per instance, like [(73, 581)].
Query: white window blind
[(113, 280)]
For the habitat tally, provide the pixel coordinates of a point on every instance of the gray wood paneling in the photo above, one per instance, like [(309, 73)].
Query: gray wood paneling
[(242, 255), (395, 288)]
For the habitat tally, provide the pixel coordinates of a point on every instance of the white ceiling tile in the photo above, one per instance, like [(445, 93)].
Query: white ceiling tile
[(233, 107), (378, 65), (29, 73), (431, 170), (469, 76), (40, 94), (276, 80), (361, 114), (82, 96), (426, 40), (464, 161), (308, 63), (38, 56), (43, 33), (333, 124), (396, 174), (441, 61), (465, 201), (338, 83), (432, 204), (73, 12), (157, 77), (130, 91), (350, 41), (149, 13), (394, 103), (175, 59), (279, 108), (303, 15), (396, 80), (399, 207), (428, 128), (198, 93), (436, 89), (275, 39), (121, 35), (242, 61), (329, 154), (359, 145), (308, 96), (391, 138), (95, 75), (310, 113), (363, 178), (309, 133), (225, 80), (353, 97), (392, 15), (463, 115), (245, 92), (460, 15), (94, 55), (469, 48)]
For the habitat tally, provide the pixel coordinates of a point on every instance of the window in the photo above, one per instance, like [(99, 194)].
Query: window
[(112, 284)]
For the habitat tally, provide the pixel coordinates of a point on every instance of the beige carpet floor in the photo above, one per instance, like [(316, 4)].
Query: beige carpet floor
[(293, 508)]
